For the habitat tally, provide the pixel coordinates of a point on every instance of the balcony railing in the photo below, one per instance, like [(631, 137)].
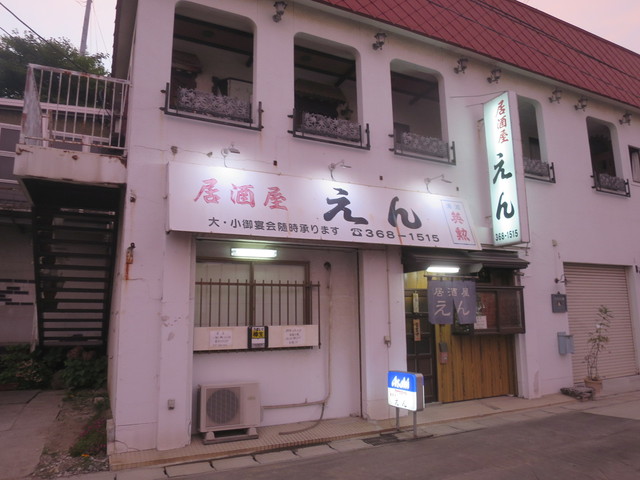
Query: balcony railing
[(536, 169), (74, 110), (337, 131), (205, 106), (418, 146), (603, 182)]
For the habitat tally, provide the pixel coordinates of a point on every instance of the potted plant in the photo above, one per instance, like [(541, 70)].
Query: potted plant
[(597, 343)]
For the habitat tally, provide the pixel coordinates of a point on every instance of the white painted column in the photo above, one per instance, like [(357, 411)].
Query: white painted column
[(382, 326), (176, 344)]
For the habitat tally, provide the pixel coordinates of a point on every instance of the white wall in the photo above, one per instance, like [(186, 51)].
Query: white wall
[(327, 373), (17, 304), (152, 323)]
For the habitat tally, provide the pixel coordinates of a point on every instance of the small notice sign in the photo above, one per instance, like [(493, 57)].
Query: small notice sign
[(258, 337), (481, 322), (294, 337), (220, 338)]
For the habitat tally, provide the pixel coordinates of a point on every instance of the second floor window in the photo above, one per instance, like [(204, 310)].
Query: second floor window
[(603, 160), (535, 164), (211, 67), (326, 105), (417, 122), (601, 148), (634, 156), (9, 136)]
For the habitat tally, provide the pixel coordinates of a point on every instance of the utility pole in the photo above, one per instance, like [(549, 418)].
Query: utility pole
[(85, 28)]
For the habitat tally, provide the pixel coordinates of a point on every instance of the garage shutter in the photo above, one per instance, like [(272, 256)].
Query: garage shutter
[(588, 287)]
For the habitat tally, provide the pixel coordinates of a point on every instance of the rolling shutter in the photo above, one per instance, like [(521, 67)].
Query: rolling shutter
[(588, 287)]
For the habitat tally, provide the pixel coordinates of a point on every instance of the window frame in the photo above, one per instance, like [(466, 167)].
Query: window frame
[(326, 92), (509, 310), (410, 136), (218, 105), (536, 164), (606, 175), (635, 171), (251, 295)]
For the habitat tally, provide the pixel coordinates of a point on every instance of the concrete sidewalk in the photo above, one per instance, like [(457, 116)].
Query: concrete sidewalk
[(25, 417)]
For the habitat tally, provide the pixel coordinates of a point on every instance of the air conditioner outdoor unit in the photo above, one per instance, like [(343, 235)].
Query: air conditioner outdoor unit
[(229, 412)]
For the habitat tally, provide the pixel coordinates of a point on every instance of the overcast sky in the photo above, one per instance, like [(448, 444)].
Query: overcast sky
[(615, 20)]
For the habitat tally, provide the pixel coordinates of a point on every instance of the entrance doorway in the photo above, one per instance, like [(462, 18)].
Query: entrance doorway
[(465, 362), (420, 335)]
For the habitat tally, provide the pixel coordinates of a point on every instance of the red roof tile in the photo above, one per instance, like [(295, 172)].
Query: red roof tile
[(511, 32)]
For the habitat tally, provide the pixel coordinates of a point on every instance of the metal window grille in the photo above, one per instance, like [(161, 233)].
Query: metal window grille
[(235, 304)]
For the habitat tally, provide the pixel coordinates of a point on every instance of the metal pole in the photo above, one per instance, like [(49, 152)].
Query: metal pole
[(85, 28), (415, 424)]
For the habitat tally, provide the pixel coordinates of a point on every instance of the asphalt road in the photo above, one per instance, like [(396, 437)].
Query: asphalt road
[(574, 445)]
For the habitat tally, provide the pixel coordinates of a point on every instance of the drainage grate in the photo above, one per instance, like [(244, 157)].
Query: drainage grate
[(381, 440)]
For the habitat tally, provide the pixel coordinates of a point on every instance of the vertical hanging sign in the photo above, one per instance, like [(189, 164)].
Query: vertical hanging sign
[(508, 208)]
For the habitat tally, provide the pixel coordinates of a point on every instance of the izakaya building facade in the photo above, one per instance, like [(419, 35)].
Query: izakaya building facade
[(361, 145)]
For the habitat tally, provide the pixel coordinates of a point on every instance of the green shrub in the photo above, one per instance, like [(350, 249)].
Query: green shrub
[(23, 369), (84, 369)]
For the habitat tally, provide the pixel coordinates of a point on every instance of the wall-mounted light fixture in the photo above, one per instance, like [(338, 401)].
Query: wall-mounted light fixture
[(562, 279), (462, 65), (556, 95), (333, 166), (427, 181), (380, 37), (254, 252), (443, 269), (626, 119), (227, 151), (280, 8), (582, 103), (496, 73)]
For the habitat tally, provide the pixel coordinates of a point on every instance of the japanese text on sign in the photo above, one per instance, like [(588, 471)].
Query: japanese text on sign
[(232, 202), (452, 298), (503, 181)]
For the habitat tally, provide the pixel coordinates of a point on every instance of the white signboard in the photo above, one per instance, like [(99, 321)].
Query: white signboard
[(241, 203), (504, 154)]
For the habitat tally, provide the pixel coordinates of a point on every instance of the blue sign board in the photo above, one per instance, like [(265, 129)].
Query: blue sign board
[(405, 390)]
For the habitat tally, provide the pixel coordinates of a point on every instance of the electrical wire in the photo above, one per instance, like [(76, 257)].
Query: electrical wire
[(97, 25), (52, 45)]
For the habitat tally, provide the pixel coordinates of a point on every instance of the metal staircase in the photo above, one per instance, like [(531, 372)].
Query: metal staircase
[(74, 255)]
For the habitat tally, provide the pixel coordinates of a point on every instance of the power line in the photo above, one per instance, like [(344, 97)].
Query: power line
[(97, 24), (55, 47)]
